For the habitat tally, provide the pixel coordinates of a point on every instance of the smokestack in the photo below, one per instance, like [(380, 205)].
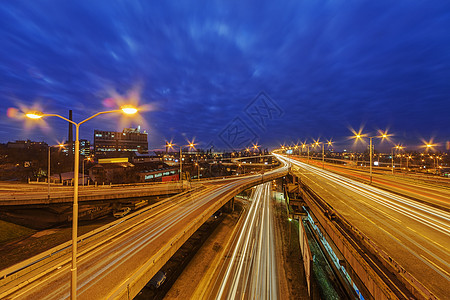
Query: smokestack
[(70, 135)]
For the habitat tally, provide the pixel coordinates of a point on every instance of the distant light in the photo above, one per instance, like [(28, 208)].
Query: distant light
[(290, 219), (129, 110), (35, 115)]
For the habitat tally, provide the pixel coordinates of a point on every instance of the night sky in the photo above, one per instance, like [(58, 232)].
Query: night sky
[(228, 73)]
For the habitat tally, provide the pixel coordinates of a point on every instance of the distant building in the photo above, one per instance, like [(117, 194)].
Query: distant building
[(112, 143), (85, 148), (125, 172), (27, 145), (145, 157)]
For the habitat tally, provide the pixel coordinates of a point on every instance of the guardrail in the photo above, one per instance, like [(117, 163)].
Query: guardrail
[(11, 272), (33, 263), (409, 281), (135, 283)]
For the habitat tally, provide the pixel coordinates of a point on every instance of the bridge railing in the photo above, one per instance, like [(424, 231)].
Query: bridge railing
[(34, 262), (409, 281)]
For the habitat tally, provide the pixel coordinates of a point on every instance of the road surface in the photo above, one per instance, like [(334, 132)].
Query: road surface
[(414, 233)]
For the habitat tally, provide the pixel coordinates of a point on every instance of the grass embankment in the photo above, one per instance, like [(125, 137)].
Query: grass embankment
[(10, 231)]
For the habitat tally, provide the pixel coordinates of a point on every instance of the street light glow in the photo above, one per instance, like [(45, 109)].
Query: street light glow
[(129, 110), (35, 115)]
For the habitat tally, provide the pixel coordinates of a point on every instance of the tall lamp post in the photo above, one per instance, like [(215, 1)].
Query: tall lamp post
[(170, 145), (305, 145), (84, 160), (398, 147), (382, 136), (38, 115)]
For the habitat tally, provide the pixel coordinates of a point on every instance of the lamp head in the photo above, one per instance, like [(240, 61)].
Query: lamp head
[(129, 110), (34, 115)]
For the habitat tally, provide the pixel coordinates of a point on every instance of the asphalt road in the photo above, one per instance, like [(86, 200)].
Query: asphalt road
[(414, 233), (249, 270), (108, 259)]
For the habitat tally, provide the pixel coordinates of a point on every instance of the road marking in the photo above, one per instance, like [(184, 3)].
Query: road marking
[(430, 240), (448, 274)]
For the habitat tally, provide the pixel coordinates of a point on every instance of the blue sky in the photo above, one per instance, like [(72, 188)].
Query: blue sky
[(228, 72)]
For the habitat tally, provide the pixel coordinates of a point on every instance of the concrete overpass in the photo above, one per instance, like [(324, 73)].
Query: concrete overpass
[(117, 260), (37, 195)]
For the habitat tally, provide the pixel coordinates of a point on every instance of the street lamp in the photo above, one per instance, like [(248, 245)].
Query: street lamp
[(86, 159), (255, 146), (37, 115), (305, 145), (398, 147), (170, 145), (383, 135)]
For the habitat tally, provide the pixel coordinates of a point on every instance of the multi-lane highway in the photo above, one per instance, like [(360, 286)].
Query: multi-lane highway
[(416, 234), (249, 268), (432, 190), (117, 259)]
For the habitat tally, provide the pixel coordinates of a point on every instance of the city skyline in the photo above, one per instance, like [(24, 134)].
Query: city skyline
[(284, 72)]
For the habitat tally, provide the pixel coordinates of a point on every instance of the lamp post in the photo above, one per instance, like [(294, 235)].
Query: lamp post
[(84, 160), (329, 144), (255, 146), (398, 147), (38, 115), (305, 145), (169, 145), (382, 136)]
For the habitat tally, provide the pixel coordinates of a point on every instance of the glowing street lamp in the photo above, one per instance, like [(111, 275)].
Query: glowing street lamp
[(255, 147), (191, 145), (359, 136), (37, 115), (169, 145), (305, 145), (398, 147), (84, 160)]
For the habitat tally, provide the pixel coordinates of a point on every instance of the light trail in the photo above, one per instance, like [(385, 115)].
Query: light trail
[(251, 272), (427, 215), (412, 233)]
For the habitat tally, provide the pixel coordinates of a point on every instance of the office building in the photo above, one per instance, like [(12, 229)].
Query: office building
[(112, 143)]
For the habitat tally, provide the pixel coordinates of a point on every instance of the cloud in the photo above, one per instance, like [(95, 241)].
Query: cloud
[(327, 64)]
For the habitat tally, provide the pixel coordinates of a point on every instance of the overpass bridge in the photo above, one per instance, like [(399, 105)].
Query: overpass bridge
[(388, 245), (21, 194), (117, 260)]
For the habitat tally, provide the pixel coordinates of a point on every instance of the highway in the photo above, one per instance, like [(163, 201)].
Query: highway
[(118, 259), (432, 190), (249, 268), (37, 194), (416, 234)]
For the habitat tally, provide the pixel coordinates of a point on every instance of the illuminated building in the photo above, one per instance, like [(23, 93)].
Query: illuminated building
[(112, 143)]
